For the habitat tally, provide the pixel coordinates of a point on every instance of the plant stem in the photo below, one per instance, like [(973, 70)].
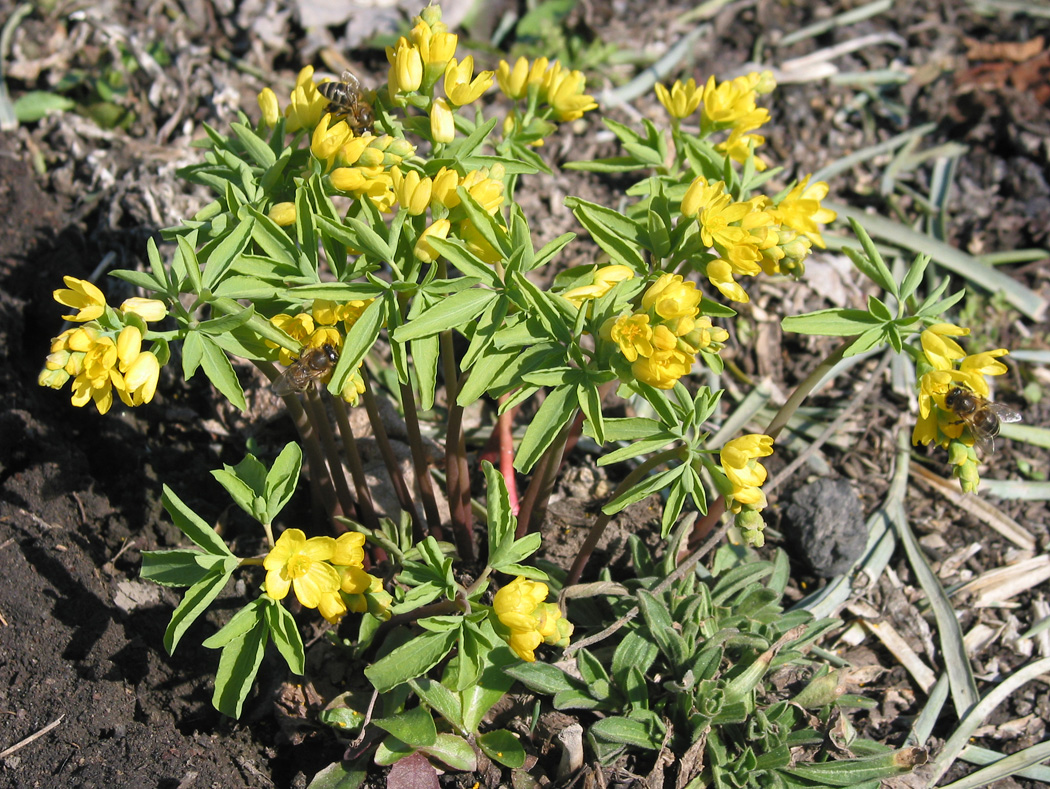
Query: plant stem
[(457, 472), (545, 474), (397, 479), (419, 461), (365, 508), (598, 528), (803, 389), (321, 491), (316, 411)]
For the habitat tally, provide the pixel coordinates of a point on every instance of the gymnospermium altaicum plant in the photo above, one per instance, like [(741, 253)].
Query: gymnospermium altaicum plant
[(397, 218)]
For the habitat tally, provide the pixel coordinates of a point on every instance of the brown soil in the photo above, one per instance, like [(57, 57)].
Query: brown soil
[(81, 636)]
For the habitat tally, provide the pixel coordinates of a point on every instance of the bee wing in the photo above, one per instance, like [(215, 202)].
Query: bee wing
[(284, 384), (984, 443), (1004, 412), (351, 79)]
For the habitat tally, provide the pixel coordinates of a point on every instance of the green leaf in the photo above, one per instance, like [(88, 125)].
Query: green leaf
[(555, 413), (194, 603), (540, 677), (342, 775), (503, 747), (358, 343), (227, 251), (281, 479), (240, 624), (491, 686), (220, 372), (192, 525), (645, 487), (612, 231), (660, 625), (34, 105), (832, 323), (410, 660), (238, 666), (648, 735), (176, 568), (453, 751), (447, 704), (354, 233), (500, 521), (256, 147), (454, 312), (414, 727), (286, 637)]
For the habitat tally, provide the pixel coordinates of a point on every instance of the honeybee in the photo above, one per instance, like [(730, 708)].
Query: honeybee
[(313, 363), (346, 97), (982, 417)]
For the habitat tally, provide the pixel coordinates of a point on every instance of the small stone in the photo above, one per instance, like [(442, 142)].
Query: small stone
[(825, 522)]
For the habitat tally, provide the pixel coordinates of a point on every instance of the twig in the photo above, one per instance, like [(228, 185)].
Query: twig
[(22, 743)]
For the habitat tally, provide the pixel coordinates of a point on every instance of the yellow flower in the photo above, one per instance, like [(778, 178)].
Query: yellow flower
[(302, 565), (939, 347), (604, 279), (699, 194), (97, 376), (515, 82), (671, 297), (720, 273), (444, 191), (442, 122), (149, 310), (682, 100), (485, 187), (517, 607), (327, 140), (412, 191), (459, 87), (563, 91), (423, 250), (406, 67), (801, 210), (739, 459), (738, 147), (631, 333), (733, 104), (82, 296), (436, 45), (140, 379), (984, 364), (129, 346), (282, 214), (307, 104), (663, 368), (351, 311), (298, 327), (716, 222), (349, 550), (271, 111)]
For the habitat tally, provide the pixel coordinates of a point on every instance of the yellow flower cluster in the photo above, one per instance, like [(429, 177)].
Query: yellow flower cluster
[(662, 339), (305, 107), (746, 475), (545, 83), (755, 235), (321, 326), (945, 366), (325, 573), (525, 621), (102, 361), (727, 106), (416, 193)]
